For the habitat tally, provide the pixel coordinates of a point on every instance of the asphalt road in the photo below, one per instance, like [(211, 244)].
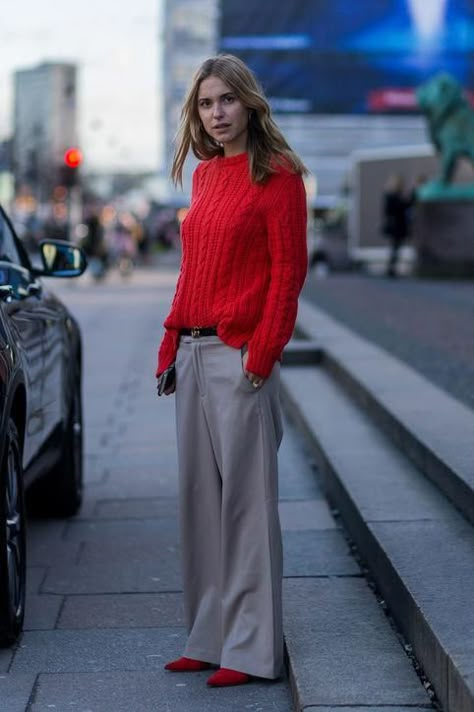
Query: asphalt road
[(428, 324)]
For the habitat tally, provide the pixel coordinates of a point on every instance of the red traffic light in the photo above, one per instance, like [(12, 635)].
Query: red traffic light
[(73, 157)]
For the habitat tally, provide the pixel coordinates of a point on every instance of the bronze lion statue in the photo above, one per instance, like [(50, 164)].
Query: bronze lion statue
[(450, 121)]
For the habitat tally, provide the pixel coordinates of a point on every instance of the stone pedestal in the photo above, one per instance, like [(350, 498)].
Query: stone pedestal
[(444, 238)]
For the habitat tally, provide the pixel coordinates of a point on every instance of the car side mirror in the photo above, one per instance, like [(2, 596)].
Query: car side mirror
[(61, 259)]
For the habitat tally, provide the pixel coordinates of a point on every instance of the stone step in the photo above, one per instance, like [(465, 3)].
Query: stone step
[(301, 352), (431, 427), (341, 650), (417, 546)]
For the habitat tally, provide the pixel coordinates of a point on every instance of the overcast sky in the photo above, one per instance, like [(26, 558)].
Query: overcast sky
[(114, 42)]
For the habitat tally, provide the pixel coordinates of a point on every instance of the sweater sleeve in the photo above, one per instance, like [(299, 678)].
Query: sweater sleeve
[(167, 351), (286, 229), (169, 344)]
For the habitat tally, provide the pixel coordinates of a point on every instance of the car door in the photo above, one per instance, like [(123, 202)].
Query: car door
[(21, 295), (55, 351)]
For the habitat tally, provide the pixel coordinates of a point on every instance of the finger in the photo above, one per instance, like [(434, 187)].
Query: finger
[(253, 376)]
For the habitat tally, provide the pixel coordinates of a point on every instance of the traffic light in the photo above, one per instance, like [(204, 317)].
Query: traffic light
[(68, 172), (73, 157)]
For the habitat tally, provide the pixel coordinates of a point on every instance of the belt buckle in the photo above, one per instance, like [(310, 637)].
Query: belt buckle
[(196, 332)]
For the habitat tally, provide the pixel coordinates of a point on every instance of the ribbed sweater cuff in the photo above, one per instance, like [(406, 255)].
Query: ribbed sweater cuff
[(167, 351), (260, 363)]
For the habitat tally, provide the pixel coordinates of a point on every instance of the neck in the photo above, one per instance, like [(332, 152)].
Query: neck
[(230, 153), (239, 145)]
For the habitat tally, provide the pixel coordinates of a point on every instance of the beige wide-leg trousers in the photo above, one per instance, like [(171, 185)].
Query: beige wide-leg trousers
[(228, 435)]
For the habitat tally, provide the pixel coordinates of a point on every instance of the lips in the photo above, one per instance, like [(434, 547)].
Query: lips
[(219, 127)]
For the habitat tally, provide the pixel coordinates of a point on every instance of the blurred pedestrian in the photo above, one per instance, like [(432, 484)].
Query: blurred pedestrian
[(122, 237), (93, 243), (56, 225), (244, 263), (396, 219)]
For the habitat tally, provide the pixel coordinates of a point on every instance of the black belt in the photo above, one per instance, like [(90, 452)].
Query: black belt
[(197, 331)]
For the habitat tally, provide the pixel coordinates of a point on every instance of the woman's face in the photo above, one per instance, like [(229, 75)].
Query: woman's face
[(223, 115)]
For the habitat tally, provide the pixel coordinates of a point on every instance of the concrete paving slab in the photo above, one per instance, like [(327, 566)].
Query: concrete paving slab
[(158, 691), (122, 611), (140, 576), (149, 454), (45, 550), (93, 469), (125, 463), (42, 611), (15, 691), (93, 477), (159, 507), (296, 480), (42, 532), (61, 651), (6, 657), (154, 482), (123, 455), (87, 507), (35, 576), (147, 551), (342, 650), (96, 445), (127, 532), (141, 475), (306, 514), (317, 553), (138, 438)]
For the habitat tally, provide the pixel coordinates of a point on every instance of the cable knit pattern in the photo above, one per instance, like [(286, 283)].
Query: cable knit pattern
[(244, 261)]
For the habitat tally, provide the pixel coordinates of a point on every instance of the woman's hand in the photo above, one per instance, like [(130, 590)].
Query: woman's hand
[(166, 381), (256, 381), (170, 390)]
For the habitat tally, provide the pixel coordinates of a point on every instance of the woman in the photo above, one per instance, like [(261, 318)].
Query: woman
[(244, 263)]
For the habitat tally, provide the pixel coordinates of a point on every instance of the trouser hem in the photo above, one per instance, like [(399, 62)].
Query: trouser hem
[(203, 655), (235, 663)]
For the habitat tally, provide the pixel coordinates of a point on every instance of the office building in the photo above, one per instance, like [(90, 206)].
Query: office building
[(45, 125), (190, 36)]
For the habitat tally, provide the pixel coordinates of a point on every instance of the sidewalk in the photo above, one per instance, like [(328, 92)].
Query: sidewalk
[(104, 610)]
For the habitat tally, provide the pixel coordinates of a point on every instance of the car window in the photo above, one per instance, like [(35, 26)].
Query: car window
[(8, 248)]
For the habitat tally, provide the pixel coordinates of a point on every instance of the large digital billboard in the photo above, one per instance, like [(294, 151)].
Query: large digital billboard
[(349, 56)]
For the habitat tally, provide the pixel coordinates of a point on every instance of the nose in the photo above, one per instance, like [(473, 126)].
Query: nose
[(217, 109)]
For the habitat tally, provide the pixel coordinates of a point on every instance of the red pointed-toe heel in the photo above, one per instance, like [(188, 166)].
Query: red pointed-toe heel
[(187, 665), (225, 677)]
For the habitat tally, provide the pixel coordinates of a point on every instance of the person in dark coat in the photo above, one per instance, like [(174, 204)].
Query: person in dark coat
[(396, 219)]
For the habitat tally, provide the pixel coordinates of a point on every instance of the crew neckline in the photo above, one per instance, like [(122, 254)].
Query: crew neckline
[(233, 160)]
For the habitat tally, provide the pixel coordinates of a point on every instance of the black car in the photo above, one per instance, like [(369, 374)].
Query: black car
[(40, 407)]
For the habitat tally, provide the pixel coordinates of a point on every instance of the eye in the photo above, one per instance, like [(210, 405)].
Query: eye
[(203, 103), (229, 99)]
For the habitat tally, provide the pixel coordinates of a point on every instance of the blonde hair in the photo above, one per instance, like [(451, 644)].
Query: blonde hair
[(266, 144)]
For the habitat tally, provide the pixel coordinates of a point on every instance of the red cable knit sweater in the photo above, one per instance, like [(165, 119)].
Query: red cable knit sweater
[(244, 261)]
